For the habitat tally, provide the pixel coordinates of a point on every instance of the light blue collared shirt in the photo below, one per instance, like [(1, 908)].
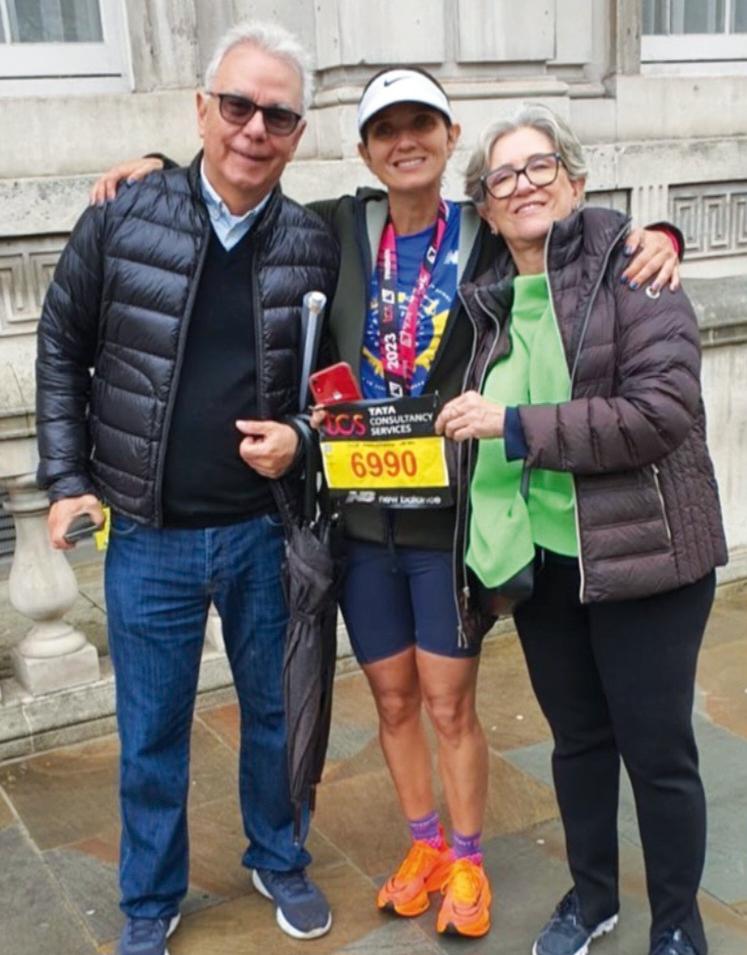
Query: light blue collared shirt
[(229, 229)]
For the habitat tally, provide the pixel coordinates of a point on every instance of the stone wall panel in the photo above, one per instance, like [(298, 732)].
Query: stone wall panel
[(47, 137), (610, 199), (163, 35), (503, 32), (573, 31), (299, 17), (356, 32)]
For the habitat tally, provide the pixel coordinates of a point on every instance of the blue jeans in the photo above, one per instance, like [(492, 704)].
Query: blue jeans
[(159, 585)]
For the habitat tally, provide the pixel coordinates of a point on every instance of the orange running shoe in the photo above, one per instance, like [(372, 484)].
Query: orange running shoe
[(465, 909), (423, 870)]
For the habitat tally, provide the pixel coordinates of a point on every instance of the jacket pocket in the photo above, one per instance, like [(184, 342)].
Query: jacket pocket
[(662, 503)]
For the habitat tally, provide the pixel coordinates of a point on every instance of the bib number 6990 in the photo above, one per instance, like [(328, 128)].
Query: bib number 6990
[(372, 464)]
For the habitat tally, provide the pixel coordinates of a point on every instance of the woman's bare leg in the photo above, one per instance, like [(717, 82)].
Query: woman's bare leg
[(448, 687), (396, 691)]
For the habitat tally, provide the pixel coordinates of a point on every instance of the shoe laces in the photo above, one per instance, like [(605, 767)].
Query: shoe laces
[(145, 930), (295, 884), (567, 916), (674, 942), (464, 882)]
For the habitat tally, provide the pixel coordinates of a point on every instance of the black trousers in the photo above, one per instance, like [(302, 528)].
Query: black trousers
[(616, 680)]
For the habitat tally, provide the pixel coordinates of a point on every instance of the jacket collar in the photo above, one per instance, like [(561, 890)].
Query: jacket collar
[(589, 231), (377, 211), (267, 213)]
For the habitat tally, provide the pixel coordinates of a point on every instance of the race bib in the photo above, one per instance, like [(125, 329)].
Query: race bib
[(386, 453)]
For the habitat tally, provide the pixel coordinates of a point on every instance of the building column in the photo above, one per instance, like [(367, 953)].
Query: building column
[(649, 203), (42, 586)]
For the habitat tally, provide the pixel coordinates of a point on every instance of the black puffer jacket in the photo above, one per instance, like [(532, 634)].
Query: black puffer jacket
[(120, 304)]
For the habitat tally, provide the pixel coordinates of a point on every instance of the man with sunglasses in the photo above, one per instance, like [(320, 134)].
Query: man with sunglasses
[(167, 380)]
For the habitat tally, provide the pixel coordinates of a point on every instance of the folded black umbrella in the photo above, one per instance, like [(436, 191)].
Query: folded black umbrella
[(312, 575), (310, 655)]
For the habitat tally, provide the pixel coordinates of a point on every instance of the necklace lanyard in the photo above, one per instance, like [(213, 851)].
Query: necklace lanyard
[(398, 344)]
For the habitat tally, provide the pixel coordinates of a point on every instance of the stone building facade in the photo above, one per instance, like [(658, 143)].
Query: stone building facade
[(655, 88)]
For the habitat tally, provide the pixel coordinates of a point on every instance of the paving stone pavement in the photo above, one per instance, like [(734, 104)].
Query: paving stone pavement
[(59, 829)]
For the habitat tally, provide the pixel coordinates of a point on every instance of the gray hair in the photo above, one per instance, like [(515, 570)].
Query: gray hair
[(272, 39), (533, 116)]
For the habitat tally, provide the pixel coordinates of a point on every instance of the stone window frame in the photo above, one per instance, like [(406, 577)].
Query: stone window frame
[(64, 68)]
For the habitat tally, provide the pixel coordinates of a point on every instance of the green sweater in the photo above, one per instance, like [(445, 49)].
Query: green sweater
[(504, 528)]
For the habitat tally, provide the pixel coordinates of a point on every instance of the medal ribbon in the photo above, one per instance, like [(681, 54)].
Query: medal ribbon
[(398, 341)]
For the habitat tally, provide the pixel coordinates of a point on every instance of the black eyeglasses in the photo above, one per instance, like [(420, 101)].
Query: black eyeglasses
[(238, 110), (540, 170)]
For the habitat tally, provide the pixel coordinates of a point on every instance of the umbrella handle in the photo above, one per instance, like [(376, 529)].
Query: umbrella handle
[(312, 313)]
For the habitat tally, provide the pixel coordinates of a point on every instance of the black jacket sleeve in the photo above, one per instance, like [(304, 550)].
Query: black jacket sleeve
[(66, 350)]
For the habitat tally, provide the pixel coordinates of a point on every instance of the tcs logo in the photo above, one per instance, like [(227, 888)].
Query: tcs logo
[(344, 425)]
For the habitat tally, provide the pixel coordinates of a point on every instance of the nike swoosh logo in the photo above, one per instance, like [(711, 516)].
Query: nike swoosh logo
[(395, 80)]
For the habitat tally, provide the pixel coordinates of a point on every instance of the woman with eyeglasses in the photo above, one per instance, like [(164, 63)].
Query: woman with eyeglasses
[(593, 394), (414, 634)]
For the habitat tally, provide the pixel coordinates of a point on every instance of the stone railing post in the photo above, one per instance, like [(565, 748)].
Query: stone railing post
[(42, 586)]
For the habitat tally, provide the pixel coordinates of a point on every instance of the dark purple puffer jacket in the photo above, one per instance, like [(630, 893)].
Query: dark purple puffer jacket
[(633, 433)]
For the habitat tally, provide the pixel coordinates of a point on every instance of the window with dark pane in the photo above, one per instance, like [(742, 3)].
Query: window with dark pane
[(53, 21)]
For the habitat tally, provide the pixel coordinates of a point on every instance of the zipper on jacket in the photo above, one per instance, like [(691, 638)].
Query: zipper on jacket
[(462, 641), (455, 557), (180, 347), (257, 234), (574, 368), (597, 285), (576, 520), (657, 482)]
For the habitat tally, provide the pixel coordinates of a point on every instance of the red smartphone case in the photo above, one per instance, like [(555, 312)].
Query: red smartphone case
[(333, 384)]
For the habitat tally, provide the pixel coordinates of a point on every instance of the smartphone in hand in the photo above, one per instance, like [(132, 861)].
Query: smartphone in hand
[(81, 526), (333, 384)]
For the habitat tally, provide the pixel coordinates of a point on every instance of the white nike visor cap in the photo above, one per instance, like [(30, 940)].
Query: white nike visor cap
[(401, 86)]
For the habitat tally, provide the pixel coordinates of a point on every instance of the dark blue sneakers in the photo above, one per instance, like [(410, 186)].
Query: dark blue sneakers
[(302, 910), (566, 934), (146, 936), (674, 942)]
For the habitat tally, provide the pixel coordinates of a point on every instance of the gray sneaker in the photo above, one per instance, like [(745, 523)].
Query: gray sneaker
[(146, 936), (566, 934), (302, 910)]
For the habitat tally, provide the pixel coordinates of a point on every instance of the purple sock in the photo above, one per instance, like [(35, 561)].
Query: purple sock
[(427, 829), (466, 845)]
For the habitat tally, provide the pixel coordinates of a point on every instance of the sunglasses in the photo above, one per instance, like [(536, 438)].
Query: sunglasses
[(238, 110)]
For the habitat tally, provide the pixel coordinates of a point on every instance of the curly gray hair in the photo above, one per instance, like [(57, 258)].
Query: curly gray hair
[(272, 39), (534, 116)]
